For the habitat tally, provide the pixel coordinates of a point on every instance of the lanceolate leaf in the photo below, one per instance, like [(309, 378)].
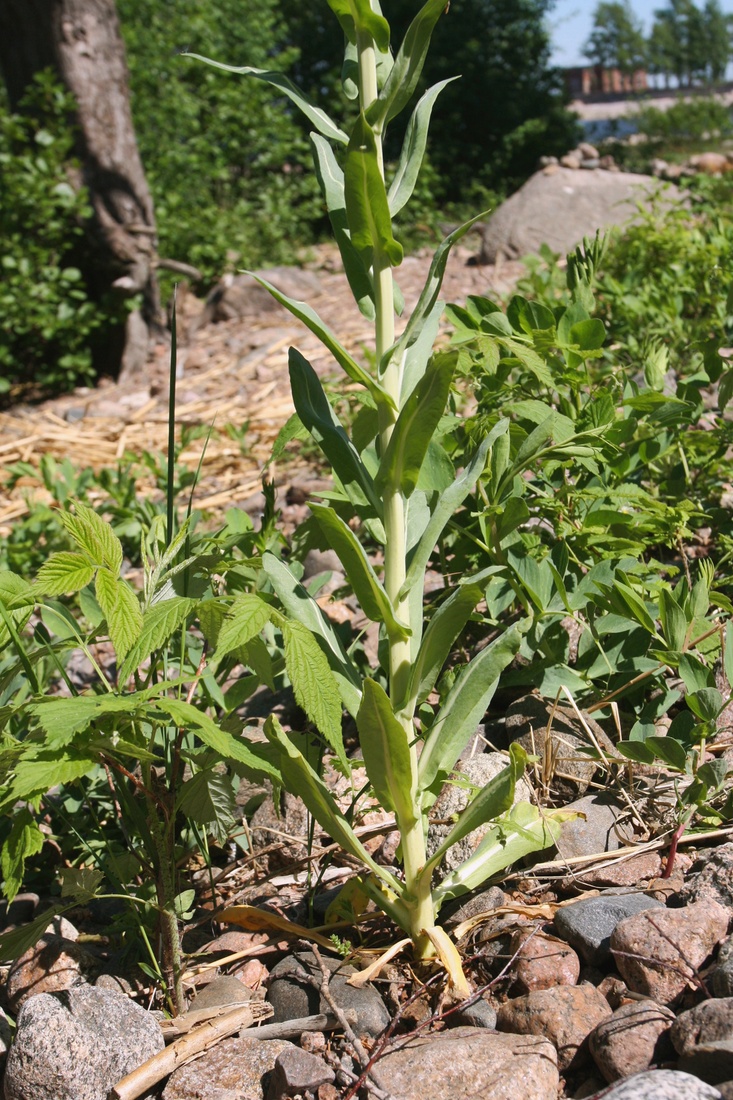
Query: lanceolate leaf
[(315, 115), (384, 744), (321, 421), (494, 799), (448, 503), (674, 621), (358, 15), (25, 840), (403, 78), (416, 424), (445, 626), (311, 320), (299, 776), (429, 294), (313, 685), (524, 830), (464, 708), (367, 587), (159, 622), (331, 180), (300, 605), (366, 198), (413, 149), (64, 572), (246, 618)]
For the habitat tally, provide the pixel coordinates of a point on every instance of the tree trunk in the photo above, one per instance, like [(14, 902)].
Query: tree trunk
[(81, 41)]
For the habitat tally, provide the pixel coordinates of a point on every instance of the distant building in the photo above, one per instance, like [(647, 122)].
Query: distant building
[(595, 80)]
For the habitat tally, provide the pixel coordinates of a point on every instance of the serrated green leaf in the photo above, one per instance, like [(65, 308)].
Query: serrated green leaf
[(121, 611), (300, 605), (420, 415), (46, 770), (159, 623), (64, 572), (463, 709), (313, 684), (244, 621), (208, 799), (80, 883), (312, 321), (367, 208), (93, 535), (442, 631), (413, 149), (17, 941), (366, 585), (186, 716), (403, 79), (315, 115), (24, 840), (386, 750), (15, 590), (331, 181), (321, 421), (493, 800)]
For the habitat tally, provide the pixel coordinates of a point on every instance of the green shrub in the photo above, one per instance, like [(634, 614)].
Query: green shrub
[(687, 120), (47, 314)]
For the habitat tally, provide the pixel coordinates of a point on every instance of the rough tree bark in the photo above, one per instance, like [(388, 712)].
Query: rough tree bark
[(81, 41)]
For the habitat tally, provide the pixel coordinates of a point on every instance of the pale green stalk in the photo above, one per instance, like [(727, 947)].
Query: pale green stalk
[(418, 898)]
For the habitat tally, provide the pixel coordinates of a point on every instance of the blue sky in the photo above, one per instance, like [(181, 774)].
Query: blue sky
[(571, 21)]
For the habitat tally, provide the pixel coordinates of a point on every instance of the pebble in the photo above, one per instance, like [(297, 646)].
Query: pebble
[(467, 1062), (593, 833), (634, 1038), (291, 997), (224, 990), (479, 1014), (295, 1071), (659, 1084), (232, 1069), (565, 1015), (99, 1030), (625, 872), (658, 951), (588, 924), (705, 1023), (542, 961)]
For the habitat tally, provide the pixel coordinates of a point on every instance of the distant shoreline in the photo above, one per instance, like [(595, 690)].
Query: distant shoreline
[(604, 106)]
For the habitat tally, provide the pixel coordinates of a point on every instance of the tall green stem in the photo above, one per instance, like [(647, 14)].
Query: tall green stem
[(418, 898)]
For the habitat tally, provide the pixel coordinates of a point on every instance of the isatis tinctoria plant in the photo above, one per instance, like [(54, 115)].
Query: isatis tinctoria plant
[(395, 487)]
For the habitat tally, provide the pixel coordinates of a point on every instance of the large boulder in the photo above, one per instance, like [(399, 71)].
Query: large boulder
[(559, 206)]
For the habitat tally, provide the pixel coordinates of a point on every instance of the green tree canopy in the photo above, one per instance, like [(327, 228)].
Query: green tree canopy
[(617, 39)]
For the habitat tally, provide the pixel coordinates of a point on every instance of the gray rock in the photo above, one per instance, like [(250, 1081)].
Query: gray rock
[(54, 963), (295, 1071), (101, 1031), (466, 1063), (597, 831), (712, 1062), (714, 879), (722, 977), (633, 1039), (292, 997), (453, 799), (562, 208), (587, 925), (224, 990), (659, 1084), (235, 1069), (482, 902), (479, 1014), (708, 1022)]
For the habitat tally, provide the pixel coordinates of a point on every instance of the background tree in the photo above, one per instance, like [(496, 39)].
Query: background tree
[(679, 33), (81, 42), (617, 39), (718, 42), (224, 157)]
